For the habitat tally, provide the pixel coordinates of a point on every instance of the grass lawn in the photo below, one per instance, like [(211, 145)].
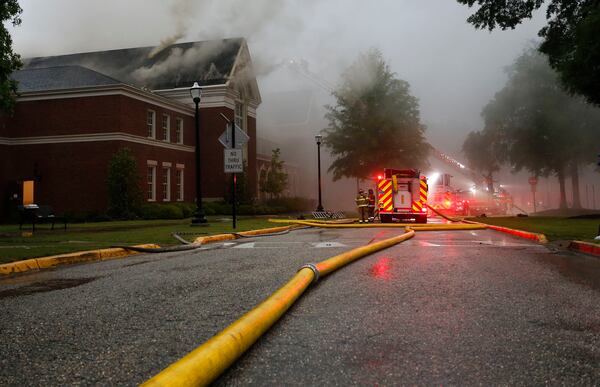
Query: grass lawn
[(16, 245), (554, 228)]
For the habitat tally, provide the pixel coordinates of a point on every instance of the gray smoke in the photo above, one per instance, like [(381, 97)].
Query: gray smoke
[(182, 12)]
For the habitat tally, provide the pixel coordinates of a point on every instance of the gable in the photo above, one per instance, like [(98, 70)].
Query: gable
[(243, 78)]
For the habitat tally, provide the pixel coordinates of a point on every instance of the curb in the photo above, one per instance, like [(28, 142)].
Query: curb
[(232, 236), (540, 238), (585, 247), (68, 259), (112, 253)]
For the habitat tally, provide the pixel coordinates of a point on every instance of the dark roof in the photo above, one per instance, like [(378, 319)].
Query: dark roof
[(62, 77), (178, 65)]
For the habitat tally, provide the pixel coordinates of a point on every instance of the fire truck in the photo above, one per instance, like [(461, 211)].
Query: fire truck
[(401, 195), (447, 199), (464, 203)]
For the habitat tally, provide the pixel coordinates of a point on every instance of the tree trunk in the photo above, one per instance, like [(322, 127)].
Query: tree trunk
[(575, 183), (563, 195)]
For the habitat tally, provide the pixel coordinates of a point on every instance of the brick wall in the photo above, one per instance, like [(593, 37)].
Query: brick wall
[(72, 176), (212, 125)]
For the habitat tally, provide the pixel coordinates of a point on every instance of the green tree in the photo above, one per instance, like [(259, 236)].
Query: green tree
[(375, 123), (481, 155), (535, 125), (277, 179), (571, 39), (124, 193), (9, 61)]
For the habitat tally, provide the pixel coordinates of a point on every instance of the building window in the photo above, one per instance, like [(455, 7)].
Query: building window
[(179, 184), (179, 131), (239, 115), (166, 183), (151, 178), (166, 127), (151, 123)]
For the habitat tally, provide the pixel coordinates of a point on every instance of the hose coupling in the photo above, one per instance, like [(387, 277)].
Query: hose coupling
[(314, 269)]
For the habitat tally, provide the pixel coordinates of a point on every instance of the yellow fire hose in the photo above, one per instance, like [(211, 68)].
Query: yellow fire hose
[(207, 362), (443, 215), (414, 226)]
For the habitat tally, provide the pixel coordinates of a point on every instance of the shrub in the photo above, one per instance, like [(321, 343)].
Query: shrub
[(187, 209), (124, 194), (161, 211)]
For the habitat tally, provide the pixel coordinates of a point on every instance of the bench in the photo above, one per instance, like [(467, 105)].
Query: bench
[(34, 214)]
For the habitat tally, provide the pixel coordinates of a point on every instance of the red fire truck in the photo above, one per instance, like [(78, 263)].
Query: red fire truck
[(401, 195)]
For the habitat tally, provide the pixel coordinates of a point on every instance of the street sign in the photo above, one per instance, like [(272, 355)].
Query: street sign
[(240, 137), (234, 160), (533, 180)]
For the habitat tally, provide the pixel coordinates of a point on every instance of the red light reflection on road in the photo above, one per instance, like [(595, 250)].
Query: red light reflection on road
[(381, 269)]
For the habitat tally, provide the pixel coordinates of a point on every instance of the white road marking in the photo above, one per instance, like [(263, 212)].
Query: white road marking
[(466, 243), (428, 244), (249, 245), (328, 244)]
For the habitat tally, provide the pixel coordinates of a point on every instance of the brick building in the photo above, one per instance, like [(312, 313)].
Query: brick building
[(75, 111)]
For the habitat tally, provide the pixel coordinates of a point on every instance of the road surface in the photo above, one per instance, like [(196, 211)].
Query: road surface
[(448, 307)]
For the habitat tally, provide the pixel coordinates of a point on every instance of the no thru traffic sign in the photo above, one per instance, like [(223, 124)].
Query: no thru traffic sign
[(234, 161)]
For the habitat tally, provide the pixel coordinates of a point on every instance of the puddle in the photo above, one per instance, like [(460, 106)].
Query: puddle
[(45, 286), (382, 269), (327, 235), (577, 268)]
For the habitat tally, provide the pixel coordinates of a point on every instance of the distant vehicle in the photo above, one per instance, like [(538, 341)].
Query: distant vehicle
[(402, 195), (451, 201)]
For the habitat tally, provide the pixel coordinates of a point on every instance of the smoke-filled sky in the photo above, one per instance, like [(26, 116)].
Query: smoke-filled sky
[(452, 68)]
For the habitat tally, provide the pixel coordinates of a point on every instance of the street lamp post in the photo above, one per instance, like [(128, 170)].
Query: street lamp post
[(318, 139), (199, 218)]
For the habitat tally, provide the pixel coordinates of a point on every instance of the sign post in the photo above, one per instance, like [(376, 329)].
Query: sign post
[(533, 183), (233, 181), (233, 159)]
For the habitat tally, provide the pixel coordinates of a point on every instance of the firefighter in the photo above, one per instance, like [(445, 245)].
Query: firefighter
[(362, 202), (371, 207)]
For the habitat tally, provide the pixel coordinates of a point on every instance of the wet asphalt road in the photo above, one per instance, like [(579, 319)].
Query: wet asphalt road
[(444, 308)]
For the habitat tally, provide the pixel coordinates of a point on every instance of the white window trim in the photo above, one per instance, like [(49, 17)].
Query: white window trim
[(167, 188), (181, 169), (179, 120), (153, 123), (152, 164), (168, 128), (242, 116)]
